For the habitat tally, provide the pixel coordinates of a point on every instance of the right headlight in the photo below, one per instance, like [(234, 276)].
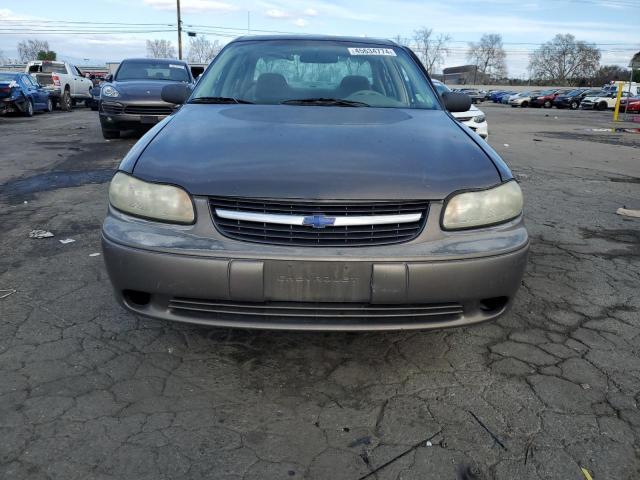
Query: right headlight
[(155, 201), (482, 208), (109, 91)]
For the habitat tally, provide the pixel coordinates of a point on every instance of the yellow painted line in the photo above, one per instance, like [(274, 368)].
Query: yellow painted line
[(586, 474)]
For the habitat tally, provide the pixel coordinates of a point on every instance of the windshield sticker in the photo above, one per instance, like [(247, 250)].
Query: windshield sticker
[(172, 65), (387, 52)]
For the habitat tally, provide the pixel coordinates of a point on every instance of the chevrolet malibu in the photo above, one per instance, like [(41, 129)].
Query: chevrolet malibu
[(315, 183)]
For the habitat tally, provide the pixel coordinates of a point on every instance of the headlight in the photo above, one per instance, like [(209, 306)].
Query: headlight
[(109, 91), (486, 207), (479, 118), (150, 200)]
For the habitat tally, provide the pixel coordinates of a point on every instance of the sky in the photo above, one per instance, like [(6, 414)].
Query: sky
[(127, 24)]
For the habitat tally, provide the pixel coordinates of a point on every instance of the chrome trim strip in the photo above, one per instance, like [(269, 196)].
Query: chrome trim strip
[(343, 221)]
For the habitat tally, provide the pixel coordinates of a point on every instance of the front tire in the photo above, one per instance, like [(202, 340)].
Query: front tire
[(110, 134), (525, 104), (49, 105), (574, 105), (547, 104), (602, 106), (65, 101)]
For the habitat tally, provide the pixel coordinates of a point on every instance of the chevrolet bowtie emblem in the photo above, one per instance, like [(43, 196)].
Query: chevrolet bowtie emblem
[(318, 221)]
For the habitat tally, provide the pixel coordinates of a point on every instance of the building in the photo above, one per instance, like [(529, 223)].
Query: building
[(464, 75)]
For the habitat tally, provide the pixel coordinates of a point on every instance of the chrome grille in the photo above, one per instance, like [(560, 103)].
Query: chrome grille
[(373, 221)]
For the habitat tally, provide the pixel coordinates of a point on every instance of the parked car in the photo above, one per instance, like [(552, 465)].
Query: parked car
[(602, 100), (522, 99), (572, 99), (286, 198), (495, 94), (473, 118), (497, 98), (130, 99), (630, 104), (64, 82), (477, 96), (21, 93), (545, 98)]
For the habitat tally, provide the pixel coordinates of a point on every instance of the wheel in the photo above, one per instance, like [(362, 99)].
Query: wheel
[(28, 108), (110, 134), (547, 104), (49, 105), (574, 105), (602, 106), (65, 101), (524, 104)]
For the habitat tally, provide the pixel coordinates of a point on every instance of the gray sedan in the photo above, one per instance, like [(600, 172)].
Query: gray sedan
[(315, 183)]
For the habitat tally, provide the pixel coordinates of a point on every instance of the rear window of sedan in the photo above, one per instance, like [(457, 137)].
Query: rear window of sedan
[(175, 72), (277, 71)]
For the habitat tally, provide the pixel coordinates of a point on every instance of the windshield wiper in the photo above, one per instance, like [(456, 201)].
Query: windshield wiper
[(329, 102), (218, 100)]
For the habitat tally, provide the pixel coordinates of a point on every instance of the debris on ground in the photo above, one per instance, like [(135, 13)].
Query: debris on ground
[(627, 212), (94, 254), (40, 234), (506, 144), (493, 435), (66, 240), (429, 444), (400, 455), (5, 293), (586, 474)]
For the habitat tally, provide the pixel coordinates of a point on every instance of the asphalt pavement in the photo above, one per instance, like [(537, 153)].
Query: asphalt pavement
[(89, 391)]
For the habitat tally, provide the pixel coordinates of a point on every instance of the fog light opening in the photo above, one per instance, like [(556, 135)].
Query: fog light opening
[(493, 304), (134, 297)]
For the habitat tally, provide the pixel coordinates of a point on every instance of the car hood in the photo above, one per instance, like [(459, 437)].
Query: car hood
[(315, 153), (141, 88)]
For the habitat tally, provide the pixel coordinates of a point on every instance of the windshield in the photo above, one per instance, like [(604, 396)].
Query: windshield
[(7, 77), (299, 72), (174, 72)]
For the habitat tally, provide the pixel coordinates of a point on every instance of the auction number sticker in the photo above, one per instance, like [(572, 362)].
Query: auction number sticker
[(386, 52), (173, 65)]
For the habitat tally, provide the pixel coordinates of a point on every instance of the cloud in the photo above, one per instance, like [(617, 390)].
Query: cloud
[(300, 22), (276, 13), (192, 5), (310, 12)]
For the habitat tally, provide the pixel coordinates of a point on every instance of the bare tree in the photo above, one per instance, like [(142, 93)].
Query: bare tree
[(565, 60), (432, 49), (28, 49), (201, 50), (160, 49), (488, 55)]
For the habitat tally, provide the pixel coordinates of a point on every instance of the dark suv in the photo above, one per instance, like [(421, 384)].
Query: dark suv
[(130, 99)]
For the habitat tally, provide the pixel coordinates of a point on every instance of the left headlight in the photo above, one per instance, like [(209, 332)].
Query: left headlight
[(482, 208), (109, 91), (479, 118), (150, 200)]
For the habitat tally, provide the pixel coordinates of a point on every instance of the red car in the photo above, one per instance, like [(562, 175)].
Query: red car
[(633, 104), (545, 99)]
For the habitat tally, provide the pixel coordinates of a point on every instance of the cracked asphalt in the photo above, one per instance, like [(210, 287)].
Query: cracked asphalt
[(88, 391)]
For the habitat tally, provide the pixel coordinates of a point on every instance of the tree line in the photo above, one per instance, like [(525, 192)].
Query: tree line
[(563, 60)]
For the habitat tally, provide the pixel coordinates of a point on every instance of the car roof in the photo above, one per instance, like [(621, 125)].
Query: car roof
[(154, 60), (326, 38)]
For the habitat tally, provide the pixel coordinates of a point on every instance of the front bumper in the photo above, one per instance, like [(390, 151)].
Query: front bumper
[(194, 274), (481, 129)]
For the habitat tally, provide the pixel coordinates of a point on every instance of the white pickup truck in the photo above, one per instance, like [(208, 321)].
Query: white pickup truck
[(65, 83)]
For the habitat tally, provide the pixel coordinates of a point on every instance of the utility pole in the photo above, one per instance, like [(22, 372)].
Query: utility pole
[(179, 32)]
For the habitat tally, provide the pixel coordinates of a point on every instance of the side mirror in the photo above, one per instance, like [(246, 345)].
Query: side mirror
[(109, 78), (456, 101), (176, 93)]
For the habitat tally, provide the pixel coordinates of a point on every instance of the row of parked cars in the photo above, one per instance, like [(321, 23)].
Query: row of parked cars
[(585, 98), (43, 87)]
